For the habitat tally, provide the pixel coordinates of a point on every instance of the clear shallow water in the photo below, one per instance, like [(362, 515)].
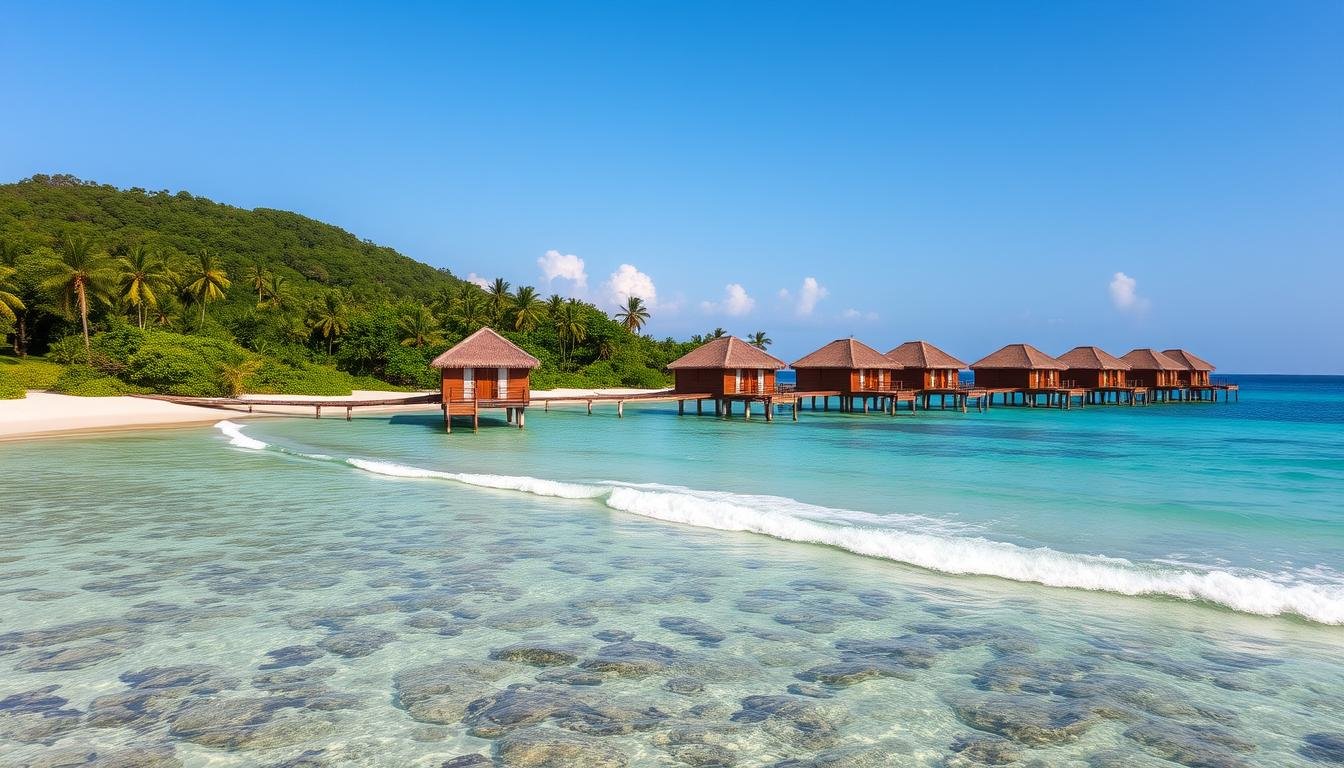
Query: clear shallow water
[(348, 611)]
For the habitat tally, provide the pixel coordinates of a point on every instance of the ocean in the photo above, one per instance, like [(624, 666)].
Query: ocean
[(1107, 586)]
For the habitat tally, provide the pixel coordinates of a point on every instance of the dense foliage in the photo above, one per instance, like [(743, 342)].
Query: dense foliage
[(172, 292)]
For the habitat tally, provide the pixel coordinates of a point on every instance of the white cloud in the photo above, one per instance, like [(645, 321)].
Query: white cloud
[(478, 280), (807, 297), (854, 314), (627, 281), (736, 301), (564, 266), (1124, 294)]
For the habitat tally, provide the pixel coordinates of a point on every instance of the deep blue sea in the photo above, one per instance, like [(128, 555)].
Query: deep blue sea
[(1106, 586)]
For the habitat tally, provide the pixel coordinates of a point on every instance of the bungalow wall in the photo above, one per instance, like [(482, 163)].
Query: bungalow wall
[(485, 385), (1195, 378), (845, 380), (1095, 379), (928, 378), (723, 381), (1154, 379), (1017, 378)]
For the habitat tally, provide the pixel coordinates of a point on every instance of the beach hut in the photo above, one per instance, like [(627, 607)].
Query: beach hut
[(847, 366), (726, 366), (1018, 366), (924, 366), (1197, 370), (1152, 369), (1093, 368), (485, 370)]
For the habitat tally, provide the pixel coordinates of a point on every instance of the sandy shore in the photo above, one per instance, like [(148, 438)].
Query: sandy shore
[(44, 413)]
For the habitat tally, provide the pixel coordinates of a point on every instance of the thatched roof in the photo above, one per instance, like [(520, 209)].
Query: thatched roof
[(1092, 359), (1021, 357), (727, 352), (485, 349), (922, 354), (1189, 361), (1146, 359), (848, 354)]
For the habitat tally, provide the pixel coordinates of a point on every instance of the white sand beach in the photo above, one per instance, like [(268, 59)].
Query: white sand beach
[(45, 413)]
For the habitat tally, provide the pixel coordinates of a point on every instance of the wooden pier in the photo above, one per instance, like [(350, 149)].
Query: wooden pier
[(234, 403)]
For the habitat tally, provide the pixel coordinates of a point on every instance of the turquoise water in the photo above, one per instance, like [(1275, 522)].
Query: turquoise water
[(1097, 587)]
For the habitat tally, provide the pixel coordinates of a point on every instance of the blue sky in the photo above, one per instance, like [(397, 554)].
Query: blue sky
[(969, 173)]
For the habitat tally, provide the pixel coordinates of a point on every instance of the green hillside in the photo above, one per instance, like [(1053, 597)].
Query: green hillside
[(224, 298)]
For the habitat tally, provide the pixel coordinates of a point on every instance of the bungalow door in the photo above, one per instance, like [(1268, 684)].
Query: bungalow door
[(502, 384), (737, 380), (863, 380), (760, 379), (468, 383)]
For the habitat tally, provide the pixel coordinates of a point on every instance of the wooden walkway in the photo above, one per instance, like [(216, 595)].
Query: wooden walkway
[(233, 403)]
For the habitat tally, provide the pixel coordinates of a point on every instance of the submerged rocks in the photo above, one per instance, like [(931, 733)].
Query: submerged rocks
[(440, 693), (986, 750), (546, 748), (291, 656), (693, 628), (157, 756), (846, 673), (187, 678), (1029, 720), (794, 720), (356, 642), (498, 713), (684, 685), (72, 657), (633, 658), (1323, 748), (1196, 746), (247, 723), (538, 654)]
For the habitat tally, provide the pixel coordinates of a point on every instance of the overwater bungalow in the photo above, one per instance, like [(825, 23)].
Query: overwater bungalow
[(726, 366), (847, 366), (1018, 367), (924, 366), (485, 370), (1153, 370), (1093, 368), (1197, 369)]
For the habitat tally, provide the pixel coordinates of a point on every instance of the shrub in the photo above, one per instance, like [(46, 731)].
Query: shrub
[(68, 349), (85, 381), (31, 372), (10, 389)]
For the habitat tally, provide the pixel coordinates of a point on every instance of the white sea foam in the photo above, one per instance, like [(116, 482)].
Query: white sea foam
[(936, 551), (236, 437)]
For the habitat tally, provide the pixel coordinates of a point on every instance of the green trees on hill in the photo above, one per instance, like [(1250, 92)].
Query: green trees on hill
[(280, 290)]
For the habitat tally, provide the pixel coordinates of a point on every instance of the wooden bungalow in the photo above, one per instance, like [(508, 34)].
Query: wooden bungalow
[(847, 366), (1197, 370), (925, 367), (1153, 370), (1018, 367), (726, 366), (1093, 368), (485, 370)]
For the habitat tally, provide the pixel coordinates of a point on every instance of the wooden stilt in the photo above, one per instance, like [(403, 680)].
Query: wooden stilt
[(590, 407), (620, 409), (317, 412), (348, 409), (796, 400), (681, 407), (699, 407), (447, 418), (476, 420), (521, 417)]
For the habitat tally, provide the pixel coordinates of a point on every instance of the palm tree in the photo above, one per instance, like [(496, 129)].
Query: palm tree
[(554, 306), (527, 309), (10, 303), (570, 328), (717, 333), (500, 299), (760, 340), (634, 314), (207, 281), (258, 277), (78, 270), (471, 311), (141, 271), (276, 292), (420, 328), (330, 317), (235, 373), (165, 312)]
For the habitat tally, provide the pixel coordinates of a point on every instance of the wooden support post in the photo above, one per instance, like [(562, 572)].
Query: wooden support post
[(620, 409), (746, 410), (476, 419), (769, 409), (546, 405), (825, 403), (348, 409), (727, 408), (681, 407), (590, 407), (508, 415), (796, 400), (814, 402), (521, 417), (699, 407), (317, 412), (447, 418)]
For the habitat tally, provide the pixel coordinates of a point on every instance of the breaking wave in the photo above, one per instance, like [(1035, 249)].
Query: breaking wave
[(932, 547)]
